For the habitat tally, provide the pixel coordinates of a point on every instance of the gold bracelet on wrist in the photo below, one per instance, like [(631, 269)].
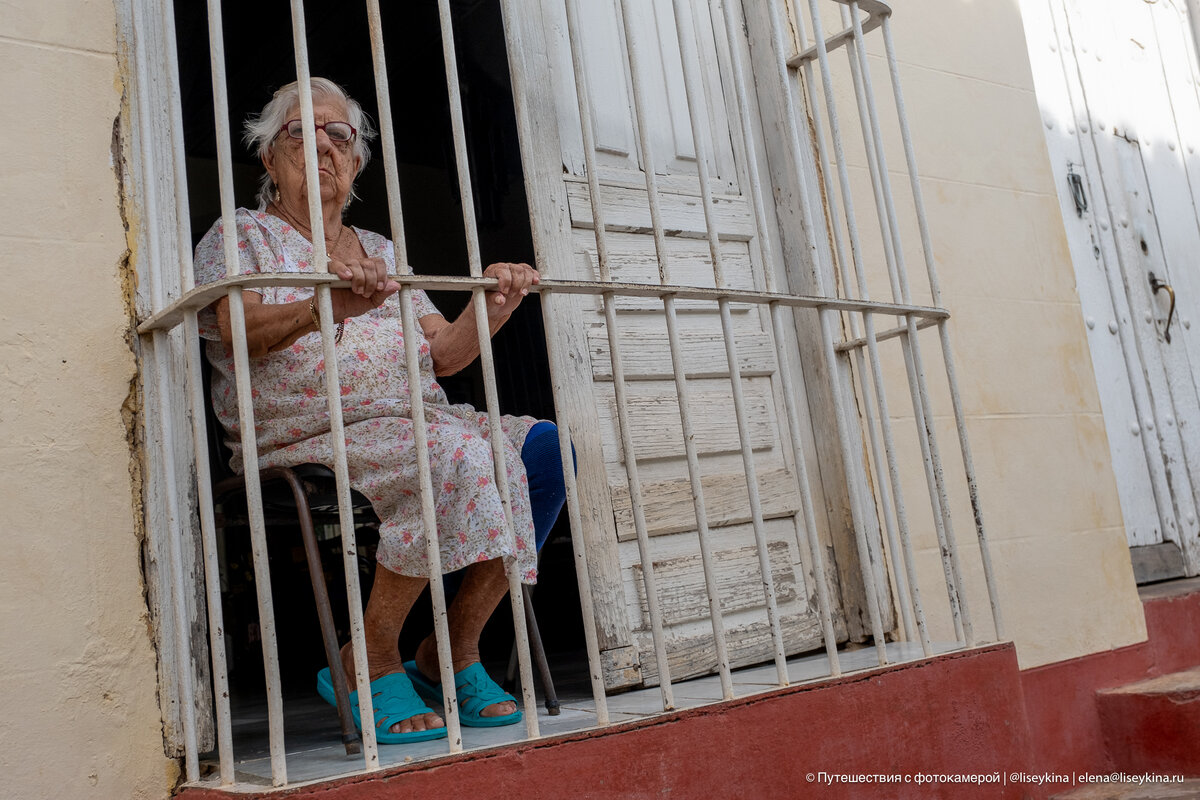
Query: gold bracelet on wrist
[(316, 319)]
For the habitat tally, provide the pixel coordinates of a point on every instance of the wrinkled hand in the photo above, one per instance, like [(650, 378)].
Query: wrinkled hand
[(369, 286), (514, 282)]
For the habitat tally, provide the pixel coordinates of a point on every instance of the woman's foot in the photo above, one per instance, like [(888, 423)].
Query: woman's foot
[(385, 664), (427, 663)]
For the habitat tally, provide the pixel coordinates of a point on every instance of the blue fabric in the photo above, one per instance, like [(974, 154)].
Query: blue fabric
[(543, 468)]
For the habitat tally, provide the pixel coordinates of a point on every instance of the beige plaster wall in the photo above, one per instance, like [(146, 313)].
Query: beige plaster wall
[(77, 670), (1028, 390)]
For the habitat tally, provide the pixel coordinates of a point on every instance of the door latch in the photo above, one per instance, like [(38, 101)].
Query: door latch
[(1156, 286), (1075, 182)]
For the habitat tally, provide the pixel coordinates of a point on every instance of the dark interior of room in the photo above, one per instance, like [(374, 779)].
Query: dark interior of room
[(259, 58)]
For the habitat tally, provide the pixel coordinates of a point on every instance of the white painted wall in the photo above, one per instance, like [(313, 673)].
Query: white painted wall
[(77, 671)]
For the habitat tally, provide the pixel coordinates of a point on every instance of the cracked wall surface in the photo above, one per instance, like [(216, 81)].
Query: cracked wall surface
[(77, 667)]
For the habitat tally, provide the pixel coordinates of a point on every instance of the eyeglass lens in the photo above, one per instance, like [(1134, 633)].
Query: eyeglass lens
[(336, 131)]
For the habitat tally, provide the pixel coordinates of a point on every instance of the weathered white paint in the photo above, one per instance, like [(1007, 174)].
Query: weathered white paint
[(632, 199), (1115, 90)]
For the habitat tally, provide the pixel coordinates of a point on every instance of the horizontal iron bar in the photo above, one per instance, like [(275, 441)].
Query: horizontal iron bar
[(876, 11), (202, 296), (890, 333)]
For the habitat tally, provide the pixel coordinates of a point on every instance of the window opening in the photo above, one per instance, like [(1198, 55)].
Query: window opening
[(257, 45), (832, 310)]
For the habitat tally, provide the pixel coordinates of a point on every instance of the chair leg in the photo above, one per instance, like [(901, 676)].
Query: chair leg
[(316, 571), (539, 656)]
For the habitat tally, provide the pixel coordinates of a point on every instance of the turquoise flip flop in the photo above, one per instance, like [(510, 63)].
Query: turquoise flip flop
[(394, 701), (476, 691)]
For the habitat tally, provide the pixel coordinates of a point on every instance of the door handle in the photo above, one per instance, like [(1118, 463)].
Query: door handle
[(1156, 286)]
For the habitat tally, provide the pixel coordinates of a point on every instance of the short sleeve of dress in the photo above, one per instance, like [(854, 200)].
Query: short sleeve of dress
[(255, 255), (422, 305)]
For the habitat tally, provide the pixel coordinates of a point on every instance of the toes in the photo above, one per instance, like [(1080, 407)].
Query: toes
[(499, 709), (421, 722)]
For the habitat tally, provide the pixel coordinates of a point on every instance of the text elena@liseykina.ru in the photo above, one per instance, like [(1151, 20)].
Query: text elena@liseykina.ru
[(999, 778)]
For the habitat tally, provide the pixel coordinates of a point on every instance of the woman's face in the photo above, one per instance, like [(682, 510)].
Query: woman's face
[(336, 163)]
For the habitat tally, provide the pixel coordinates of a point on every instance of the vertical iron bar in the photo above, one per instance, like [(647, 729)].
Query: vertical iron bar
[(817, 559), (197, 405), (416, 401), (907, 586), (483, 331), (855, 250), (922, 408), (521, 87), (828, 318), (574, 515), (241, 358), (947, 354), (700, 141), (337, 432), (583, 101)]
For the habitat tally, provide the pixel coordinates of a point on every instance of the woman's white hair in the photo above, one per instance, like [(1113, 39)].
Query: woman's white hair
[(262, 129)]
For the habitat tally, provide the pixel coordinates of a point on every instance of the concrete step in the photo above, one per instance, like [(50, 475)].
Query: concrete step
[(1153, 726), (1187, 790)]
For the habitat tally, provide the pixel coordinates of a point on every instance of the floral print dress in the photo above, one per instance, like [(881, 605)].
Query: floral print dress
[(292, 418)]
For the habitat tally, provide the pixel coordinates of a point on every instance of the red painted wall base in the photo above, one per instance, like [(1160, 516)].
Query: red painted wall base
[(1154, 726), (1064, 717), (970, 713), (947, 715)]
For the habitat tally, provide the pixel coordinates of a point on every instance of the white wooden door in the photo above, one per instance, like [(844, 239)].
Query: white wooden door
[(1117, 83), (654, 415)]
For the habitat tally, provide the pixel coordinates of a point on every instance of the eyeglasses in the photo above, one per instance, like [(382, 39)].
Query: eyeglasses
[(338, 132)]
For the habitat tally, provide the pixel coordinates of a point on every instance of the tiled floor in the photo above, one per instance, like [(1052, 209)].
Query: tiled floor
[(313, 739)]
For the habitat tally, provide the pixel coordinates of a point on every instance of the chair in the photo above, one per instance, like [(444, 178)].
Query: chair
[(306, 491)]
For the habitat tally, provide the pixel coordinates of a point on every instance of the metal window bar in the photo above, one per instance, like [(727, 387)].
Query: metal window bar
[(931, 459), (906, 579), (196, 399), (766, 257), (198, 298), (854, 481), (416, 400), (524, 660), (921, 408), (828, 306), (889, 232), (963, 624), (262, 577), (894, 512), (877, 15), (583, 96), (685, 33), (891, 498), (856, 259), (943, 333)]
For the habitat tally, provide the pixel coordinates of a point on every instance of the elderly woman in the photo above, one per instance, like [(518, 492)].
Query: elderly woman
[(292, 421)]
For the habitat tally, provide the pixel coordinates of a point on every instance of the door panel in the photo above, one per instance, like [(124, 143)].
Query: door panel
[(653, 405), (1111, 79)]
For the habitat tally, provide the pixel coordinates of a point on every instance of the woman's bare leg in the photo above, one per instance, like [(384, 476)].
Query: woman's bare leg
[(392, 597), (483, 587)]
